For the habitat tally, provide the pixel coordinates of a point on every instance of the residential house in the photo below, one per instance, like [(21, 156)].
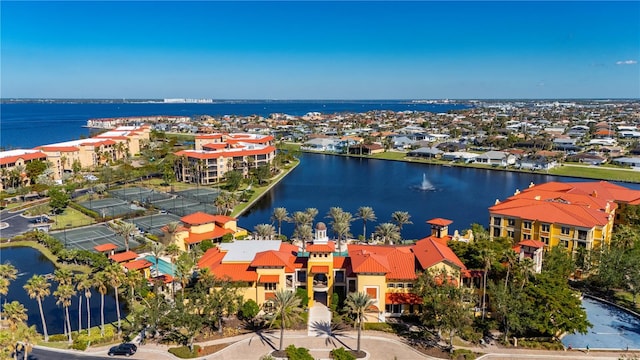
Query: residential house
[(201, 226), (496, 158)]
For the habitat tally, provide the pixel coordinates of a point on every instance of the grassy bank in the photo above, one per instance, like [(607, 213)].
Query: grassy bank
[(46, 253)]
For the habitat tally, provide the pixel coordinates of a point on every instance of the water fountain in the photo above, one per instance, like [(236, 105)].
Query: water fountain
[(426, 185)]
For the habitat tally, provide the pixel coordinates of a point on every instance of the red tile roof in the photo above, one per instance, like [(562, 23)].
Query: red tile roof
[(165, 278), (211, 257), (123, 256), (269, 279), (557, 210), (198, 218), (368, 261), (235, 272), (532, 243), (105, 247), (319, 269), (430, 252), (272, 258), (398, 262), (329, 247), (403, 298), (269, 295), (58, 148), (137, 264), (219, 154), (25, 157), (217, 232), (214, 146), (439, 222)]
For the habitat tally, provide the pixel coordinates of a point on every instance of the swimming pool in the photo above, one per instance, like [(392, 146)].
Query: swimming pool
[(163, 266), (613, 328)]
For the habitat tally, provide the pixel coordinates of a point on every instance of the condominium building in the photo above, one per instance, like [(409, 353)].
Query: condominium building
[(570, 215), (13, 166), (216, 154)]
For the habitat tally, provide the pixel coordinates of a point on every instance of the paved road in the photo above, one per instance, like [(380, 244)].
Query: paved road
[(44, 354), (17, 223)]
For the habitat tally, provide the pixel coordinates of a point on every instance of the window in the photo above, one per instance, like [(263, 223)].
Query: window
[(372, 292), (526, 224), (496, 232), (582, 234), (564, 230), (393, 308), (391, 285), (352, 285), (302, 276), (400, 285), (526, 236), (409, 285), (546, 228), (510, 234), (545, 240), (270, 286), (511, 222), (497, 221), (340, 276)]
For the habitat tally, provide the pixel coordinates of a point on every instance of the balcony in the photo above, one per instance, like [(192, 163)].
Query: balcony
[(319, 285)]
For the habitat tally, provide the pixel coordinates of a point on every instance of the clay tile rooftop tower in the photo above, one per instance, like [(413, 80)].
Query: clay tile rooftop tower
[(439, 227)]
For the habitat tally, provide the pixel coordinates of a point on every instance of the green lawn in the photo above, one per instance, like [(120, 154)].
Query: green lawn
[(70, 218), (596, 172)]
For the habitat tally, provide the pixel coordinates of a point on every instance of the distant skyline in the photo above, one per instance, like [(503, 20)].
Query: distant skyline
[(320, 50)]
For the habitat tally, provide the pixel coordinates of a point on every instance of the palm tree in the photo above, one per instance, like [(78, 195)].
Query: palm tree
[(486, 255), (401, 218), (287, 308), (64, 293), (8, 272), (85, 284), (15, 314), (301, 218), (389, 232), (342, 227), (357, 304), (100, 283), (28, 335), (114, 278), (280, 214), (312, 212), (38, 288), (63, 276), (510, 257), (172, 228), (133, 279), (264, 231), (125, 230), (82, 282), (304, 233), (157, 250), (173, 251), (366, 213)]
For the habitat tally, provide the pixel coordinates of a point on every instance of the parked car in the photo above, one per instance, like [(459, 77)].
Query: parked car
[(126, 349)]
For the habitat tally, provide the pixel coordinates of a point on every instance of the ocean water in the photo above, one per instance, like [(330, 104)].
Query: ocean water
[(27, 125)]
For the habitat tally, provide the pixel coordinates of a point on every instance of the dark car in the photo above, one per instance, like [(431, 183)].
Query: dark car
[(126, 349)]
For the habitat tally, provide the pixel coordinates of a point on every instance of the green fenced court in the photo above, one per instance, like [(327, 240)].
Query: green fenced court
[(153, 223), (87, 237), (203, 195), (139, 194), (111, 207)]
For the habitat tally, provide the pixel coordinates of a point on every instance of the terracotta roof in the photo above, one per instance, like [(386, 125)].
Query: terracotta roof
[(198, 218), (403, 298), (532, 243), (269, 279), (430, 252), (219, 154), (269, 295), (25, 157), (211, 257), (289, 248), (272, 258), (557, 211), (343, 262), (58, 148), (328, 247), (440, 222), (398, 260), (105, 247), (319, 269), (165, 278), (235, 272), (209, 136), (137, 264), (367, 261), (215, 146), (123, 256)]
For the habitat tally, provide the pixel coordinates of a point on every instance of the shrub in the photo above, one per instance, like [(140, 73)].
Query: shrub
[(298, 353), (58, 337), (249, 309), (464, 353), (183, 352), (79, 344), (341, 354), (379, 327), (304, 297), (206, 245)]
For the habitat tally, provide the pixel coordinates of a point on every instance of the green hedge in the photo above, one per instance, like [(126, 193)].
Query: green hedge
[(466, 354), (379, 327), (84, 210), (298, 353)]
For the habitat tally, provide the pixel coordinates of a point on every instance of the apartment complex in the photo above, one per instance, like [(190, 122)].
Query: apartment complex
[(216, 154), (570, 215), (13, 166), (112, 145), (385, 272)]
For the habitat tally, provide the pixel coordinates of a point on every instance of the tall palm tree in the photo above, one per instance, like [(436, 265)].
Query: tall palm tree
[(357, 304), (133, 279), (312, 212), (264, 231), (100, 283), (114, 278), (173, 251), (303, 233), (81, 282), (157, 250), (286, 308), (8, 273), (38, 288), (401, 218), (366, 213), (389, 232), (126, 229), (342, 227), (280, 214), (301, 218), (172, 228), (63, 276), (510, 257), (85, 284), (64, 294), (486, 255), (29, 336)]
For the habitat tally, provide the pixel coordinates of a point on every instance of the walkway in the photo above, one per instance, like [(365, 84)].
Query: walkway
[(319, 321)]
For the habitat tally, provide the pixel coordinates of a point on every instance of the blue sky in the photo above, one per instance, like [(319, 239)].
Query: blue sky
[(320, 50)]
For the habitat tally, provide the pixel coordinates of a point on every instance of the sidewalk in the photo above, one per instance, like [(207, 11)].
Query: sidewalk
[(378, 345)]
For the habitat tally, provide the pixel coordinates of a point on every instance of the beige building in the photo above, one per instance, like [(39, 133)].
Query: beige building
[(13, 166)]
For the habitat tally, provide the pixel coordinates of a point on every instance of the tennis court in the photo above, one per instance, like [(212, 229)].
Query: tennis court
[(203, 195), (153, 223), (87, 237), (139, 194), (111, 207), (175, 203)]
